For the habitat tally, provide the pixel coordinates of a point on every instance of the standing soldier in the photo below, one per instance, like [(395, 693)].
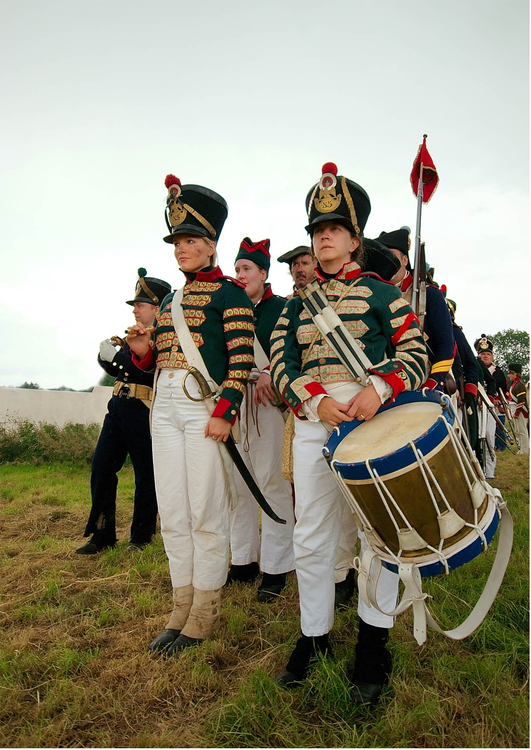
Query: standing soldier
[(483, 347), (262, 428), (321, 391), (519, 406), (207, 326), (486, 355), (125, 431), (437, 323)]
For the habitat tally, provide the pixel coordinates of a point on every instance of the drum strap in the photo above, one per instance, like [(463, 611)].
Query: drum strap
[(370, 566)]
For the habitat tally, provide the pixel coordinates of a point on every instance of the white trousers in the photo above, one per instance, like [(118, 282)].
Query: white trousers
[(490, 438), (191, 486), (319, 510), (521, 430), (262, 431)]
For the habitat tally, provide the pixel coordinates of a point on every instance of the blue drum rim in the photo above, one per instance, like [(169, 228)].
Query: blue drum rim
[(399, 459), (458, 559)]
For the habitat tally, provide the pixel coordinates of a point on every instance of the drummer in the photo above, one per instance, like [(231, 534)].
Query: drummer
[(321, 391)]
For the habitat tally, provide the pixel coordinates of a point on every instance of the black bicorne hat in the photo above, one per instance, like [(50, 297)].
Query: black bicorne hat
[(193, 209), (483, 344), (398, 239), (379, 259), (148, 289), (336, 198), (292, 254)]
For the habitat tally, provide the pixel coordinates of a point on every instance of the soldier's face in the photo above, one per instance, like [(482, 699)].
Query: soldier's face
[(399, 275), (302, 270), (486, 357), (145, 313), (252, 277), (192, 252), (333, 245)]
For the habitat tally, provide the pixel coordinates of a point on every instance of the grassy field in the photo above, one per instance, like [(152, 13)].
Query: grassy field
[(74, 671)]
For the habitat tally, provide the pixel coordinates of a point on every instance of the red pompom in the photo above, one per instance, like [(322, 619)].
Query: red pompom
[(443, 289), (330, 168), (172, 180)]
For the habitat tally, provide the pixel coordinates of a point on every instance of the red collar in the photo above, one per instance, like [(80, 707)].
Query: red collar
[(214, 273), (350, 270), (406, 282)]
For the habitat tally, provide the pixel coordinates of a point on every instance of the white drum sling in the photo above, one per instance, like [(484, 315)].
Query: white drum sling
[(421, 499)]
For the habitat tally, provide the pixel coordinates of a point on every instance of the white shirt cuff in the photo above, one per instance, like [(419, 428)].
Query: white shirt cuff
[(383, 389), (309, 407)]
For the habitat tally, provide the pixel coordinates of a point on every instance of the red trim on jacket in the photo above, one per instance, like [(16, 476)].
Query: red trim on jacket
[(404, 327), (143, 364), (471, 388)]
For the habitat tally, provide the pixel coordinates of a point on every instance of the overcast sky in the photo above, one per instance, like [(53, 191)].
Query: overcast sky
[(101, 100)]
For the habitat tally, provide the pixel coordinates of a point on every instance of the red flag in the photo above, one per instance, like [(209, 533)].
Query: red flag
[(430, 178)]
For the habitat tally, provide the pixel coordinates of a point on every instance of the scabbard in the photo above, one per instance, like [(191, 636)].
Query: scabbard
[(247, 477)]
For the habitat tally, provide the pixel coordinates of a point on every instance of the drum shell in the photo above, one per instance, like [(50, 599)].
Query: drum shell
[(404, 479)]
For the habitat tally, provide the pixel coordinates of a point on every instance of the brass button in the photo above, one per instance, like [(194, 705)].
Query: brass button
[(322, 361), (170, 374)]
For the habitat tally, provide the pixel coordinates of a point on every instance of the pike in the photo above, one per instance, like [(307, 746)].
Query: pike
[(230, 446), (424, 180)]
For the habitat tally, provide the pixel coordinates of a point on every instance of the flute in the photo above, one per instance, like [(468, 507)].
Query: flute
[(119, 341)]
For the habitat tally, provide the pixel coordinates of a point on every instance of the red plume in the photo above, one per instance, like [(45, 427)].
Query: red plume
[(329, 167), (443, 289), (172, 180)]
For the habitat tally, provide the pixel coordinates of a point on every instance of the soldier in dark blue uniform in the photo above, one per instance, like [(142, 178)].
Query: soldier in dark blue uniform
[(437, 322), (125, 431)]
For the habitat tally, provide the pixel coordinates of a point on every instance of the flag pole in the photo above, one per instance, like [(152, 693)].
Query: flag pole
[(416, 260)]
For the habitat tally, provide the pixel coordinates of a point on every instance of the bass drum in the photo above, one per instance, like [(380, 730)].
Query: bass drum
[(414, 484)]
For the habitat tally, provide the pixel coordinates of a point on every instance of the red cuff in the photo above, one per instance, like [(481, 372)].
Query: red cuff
[(222, 410), (396, 383), (431, 384), (144, 364), (471, 388)]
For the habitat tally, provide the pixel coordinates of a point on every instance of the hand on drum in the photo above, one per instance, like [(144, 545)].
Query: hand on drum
[(365, 404), (138, 339), (217, 429), (263, 390), (331, 411)]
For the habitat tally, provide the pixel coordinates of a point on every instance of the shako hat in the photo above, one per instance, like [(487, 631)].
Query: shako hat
[(292, 254), (515, 367), (193, 209), (148, 289), (336, 198), (483, 344), (258, 252), (399, 239), (379, 259)]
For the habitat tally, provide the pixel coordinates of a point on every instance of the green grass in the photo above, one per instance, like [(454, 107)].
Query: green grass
[(74, 670)]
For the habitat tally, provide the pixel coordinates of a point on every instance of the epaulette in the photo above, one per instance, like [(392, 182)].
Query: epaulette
[(234, 281), (374, 275)]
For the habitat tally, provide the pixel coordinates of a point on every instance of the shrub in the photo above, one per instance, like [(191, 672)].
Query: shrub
[(22, 441)]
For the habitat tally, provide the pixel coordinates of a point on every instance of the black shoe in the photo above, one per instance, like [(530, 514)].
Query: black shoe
[(271, 587), (180, 643), (164, 640), (94, 546), (243, 573), (372, 666), (345, 591), (298, 665), (137, 546)]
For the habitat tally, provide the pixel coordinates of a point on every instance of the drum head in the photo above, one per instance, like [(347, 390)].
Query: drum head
[(387, 432)]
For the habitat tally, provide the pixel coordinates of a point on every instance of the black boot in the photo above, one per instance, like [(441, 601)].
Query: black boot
[(271, 586), (298, 665), (163, 641), (373, 664), (243, 573), (345, 590), (96, 544)]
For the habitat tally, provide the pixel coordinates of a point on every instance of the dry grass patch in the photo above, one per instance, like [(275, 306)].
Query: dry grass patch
[(74, 671)]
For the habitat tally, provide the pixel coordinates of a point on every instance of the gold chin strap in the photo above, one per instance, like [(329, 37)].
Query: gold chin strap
[(208, 226), (148, 291), (350, 204)]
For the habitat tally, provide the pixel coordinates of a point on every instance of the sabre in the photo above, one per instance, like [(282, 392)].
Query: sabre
[(230, 445)]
